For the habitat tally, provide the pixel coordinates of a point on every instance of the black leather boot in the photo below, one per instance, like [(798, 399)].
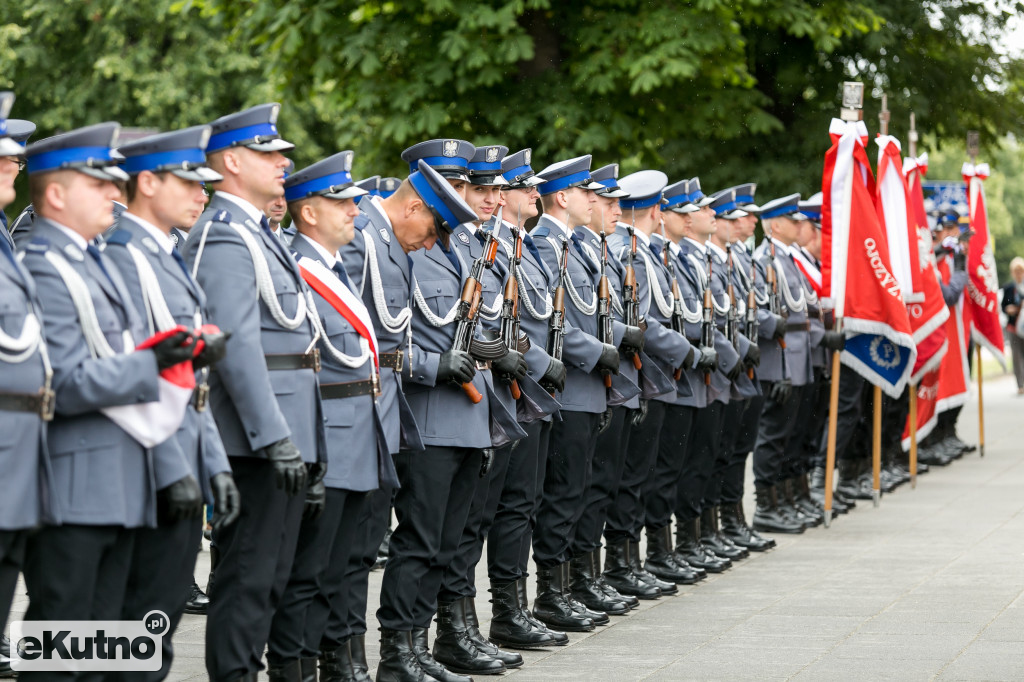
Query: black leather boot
[(712, 538), (662, 562), (398, 662), (619, 574), (453, 647), (786, 504), (561, 639), (734, 527), (509, 625), (584, 588), (336, 664), (214, 560), (803, 502), (644, 576), (609, 591), (551, 607), (509, 658), (357, 650), (307, 667), (767, 516), (599, 617), (693, 551), (816, 491), (289, 671), (197, 602)]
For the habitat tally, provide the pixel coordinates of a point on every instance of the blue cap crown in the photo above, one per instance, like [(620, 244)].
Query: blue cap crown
[(516, 170), (448, 157), (331, 178), (178, 151), (607, 177), (370, 184), (645, 189), (565, 174), (256, 128), (783, 207), (89, 150)]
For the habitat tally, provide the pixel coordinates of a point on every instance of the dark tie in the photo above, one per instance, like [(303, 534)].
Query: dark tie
[(339, 269), (265, 224), (655, 249), (531, 247), (95, 253), (181, 264), (450, 255)]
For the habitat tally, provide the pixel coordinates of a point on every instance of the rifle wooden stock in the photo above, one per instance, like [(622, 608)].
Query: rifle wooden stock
[(471, 392), (637, 363), (514, 387)]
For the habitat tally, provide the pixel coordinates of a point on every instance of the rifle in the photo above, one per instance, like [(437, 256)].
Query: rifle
[(510, 302), (556, 323), (466, 317), (678, 325), (604, 305), (707, 329), (774, 300), (630, 302), (731, 320), (751, 321)]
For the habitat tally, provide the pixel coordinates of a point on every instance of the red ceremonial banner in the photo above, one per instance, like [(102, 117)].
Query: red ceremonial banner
[(981, 297)]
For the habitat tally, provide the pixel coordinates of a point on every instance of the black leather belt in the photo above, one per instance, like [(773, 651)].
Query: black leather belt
[(798, 326), (287, 361), (395, 360), (348, 389), (201, 396), (41, 403)]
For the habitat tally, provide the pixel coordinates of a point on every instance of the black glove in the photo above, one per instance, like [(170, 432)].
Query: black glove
[(834, 340), (315, 472), (605, 421), (780, 328), (734, 373), (289, 469), (316, 500), (172, 350), (227, 501), (487, 463), (781, 390), (688, 360), (215, 347), (609, 359), (512, 365), (708, 359), (753, 357), (632, 340), (180, 500), (960, 261), (554, 377), (456, 366), (640, 415)]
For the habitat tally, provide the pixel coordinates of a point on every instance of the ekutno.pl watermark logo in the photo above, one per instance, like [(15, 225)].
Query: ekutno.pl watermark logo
[(89, 645)]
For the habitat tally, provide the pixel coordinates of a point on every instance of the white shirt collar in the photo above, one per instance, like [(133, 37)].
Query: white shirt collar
[(376, 201), (562, 226), (324, 253), (700, 247), (78, 239), (645, 238), (164, 240), (714, 247), (780, 246), (471, 227), (740, 245), (254, 214)]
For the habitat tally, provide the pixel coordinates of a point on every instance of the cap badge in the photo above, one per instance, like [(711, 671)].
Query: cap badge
[(527, 155), (348, 162), (451, 148), (492, 154)]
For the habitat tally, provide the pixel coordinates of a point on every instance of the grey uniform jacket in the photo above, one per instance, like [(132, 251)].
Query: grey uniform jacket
[(819, 354), (393, 296), (663, 344), (25, 467), (584, 387), (254, 407), (742, 283), (357, 455), (742, 388), (798, 345), (765, 320), (445, 414), (101, 475), (196, 448)]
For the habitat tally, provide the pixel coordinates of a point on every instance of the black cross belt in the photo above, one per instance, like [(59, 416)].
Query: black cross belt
[(347, 389), (290, 361)]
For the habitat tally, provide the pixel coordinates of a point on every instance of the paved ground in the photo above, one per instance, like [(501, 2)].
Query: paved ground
[(928, 586)]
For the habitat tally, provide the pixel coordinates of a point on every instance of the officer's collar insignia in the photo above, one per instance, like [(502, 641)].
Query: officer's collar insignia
[(451, 148), (463, 237), (385, 236), (150, 244), (174, 238), (74, 253)]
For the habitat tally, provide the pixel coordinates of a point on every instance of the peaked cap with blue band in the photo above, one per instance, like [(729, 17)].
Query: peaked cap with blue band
[(450, 158), (180, 152), (388, 186), (255, 128), (516, 170), (812, 208), (724, 204), (88, 150), (437, 193), (19, 130), (565, 174), (607, 177), (783, 207), (685, 196), (485, 166), (645, 189), (370, 184), (9, 146), (745, 197), (331, 178)]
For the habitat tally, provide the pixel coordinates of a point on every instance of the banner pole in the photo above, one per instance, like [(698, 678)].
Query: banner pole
[(981, 405), (830, 451), (876, 448), (913, 436)]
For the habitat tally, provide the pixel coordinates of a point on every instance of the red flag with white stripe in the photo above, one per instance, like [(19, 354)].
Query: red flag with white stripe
[(981, 297)]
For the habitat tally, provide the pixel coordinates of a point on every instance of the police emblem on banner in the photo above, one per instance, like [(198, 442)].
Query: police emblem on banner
[(451, 148), (884, 353)]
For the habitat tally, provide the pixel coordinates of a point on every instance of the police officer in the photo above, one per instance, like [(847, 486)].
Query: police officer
[(431, 505), (510, 537), (321, 202), (264, 393), (164, 190), (106, 391), (26, 401), (449, 158), (18, 130)]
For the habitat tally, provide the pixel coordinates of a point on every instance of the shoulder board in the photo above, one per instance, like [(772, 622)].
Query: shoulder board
[(361, 221), (119, 237), (222, 217), (38, 245), (540, 232)]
